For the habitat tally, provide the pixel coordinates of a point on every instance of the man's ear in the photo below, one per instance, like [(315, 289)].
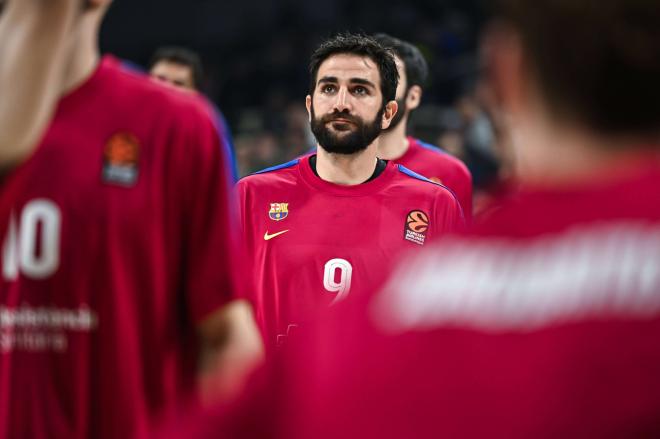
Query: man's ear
[(308, 105), (390, 110), (414, 97)]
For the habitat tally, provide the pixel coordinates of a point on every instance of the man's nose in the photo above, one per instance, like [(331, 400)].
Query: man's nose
[(342, 103)]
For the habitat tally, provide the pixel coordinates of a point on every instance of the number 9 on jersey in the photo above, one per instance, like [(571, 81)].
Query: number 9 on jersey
[(337, 278)]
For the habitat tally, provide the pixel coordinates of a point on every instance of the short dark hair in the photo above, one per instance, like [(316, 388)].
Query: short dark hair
[(360, 45), (183, 56), (416, 67), (597, 62)]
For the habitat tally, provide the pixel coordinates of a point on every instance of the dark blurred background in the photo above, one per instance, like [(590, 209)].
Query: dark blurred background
[(255, 53)]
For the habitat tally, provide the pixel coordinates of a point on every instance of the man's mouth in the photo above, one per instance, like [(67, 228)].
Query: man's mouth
[(340, 120), (341, 124)]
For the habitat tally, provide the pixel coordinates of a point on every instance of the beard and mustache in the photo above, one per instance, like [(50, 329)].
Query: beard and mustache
[(345, 138)]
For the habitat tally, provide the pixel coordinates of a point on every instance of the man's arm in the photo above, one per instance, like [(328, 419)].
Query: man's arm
[(33, 37), (231, 350)]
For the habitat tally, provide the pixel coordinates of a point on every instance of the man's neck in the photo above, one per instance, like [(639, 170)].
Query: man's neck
[(393, 144), (84, 56), (346, 169), (570, 158)]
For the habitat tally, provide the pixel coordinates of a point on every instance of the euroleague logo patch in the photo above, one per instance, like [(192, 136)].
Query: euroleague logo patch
[(417, 224), (120, 159)]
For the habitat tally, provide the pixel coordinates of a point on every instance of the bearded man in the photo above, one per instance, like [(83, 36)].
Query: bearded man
[(331, 224)]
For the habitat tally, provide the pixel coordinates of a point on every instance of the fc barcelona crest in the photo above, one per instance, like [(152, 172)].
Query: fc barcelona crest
[(278, 211)]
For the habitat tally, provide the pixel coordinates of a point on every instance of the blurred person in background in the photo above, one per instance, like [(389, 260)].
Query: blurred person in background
[(330, 224), (479, 141), (177, 66), (118, 264), (452, 142), (494, 168), (257, 146), (544, 322), (293, 139), (477, 130), (298, 134), (428, 160), (257, 150)]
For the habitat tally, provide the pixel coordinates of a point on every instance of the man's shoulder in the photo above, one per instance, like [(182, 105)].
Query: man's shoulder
[(414, 182), (282, 174), (432, 155)]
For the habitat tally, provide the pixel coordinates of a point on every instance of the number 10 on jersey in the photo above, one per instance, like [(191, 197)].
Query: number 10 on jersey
[(32, 242), (337, 276)]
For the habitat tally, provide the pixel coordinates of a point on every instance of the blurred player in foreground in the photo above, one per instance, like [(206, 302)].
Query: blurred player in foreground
[(117, 263), (412, 153), (329, 225), (545, 322)]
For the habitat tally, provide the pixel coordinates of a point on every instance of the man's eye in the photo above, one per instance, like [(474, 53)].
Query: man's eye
[(328, 89), (360, 90)]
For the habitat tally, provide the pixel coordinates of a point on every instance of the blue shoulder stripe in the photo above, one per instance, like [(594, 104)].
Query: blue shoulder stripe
[(431, 147), (293, 162), (132, 67), (222, 127), (414, 174)]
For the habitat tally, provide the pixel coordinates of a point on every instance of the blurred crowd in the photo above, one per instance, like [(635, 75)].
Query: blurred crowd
[(260, 83)]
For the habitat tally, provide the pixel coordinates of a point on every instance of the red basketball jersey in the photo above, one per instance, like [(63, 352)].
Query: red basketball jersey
[(115, 247), (313, 243)]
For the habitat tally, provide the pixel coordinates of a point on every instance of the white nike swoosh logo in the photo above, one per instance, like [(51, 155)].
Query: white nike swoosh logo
[(268, 237)]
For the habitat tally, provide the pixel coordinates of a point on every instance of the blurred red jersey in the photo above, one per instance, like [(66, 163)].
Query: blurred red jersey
[(544, 324), (313, 243), (116, 246), (441, 167)]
